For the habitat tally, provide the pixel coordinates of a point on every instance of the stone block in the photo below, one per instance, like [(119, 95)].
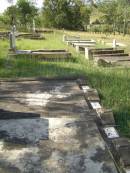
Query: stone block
[(122, 147), (111, 132), (92, 95), (81, 82), (95, 105), (106, 116)]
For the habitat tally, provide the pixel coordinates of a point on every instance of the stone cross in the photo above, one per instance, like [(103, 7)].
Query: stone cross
[(12, 38), (34, 27)]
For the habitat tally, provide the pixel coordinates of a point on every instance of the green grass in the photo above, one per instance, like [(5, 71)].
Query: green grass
[(113, 84)]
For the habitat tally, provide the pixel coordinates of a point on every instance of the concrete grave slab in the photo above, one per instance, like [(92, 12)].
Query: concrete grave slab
[(64, 138), (45, 55)]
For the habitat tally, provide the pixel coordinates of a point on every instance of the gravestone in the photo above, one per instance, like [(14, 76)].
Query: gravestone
[(64, 38), (114, 43), (34, 27), (12, 38)]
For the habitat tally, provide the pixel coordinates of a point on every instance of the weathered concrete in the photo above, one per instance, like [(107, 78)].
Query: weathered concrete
[(64, 138), (42, 55), (34, 36)]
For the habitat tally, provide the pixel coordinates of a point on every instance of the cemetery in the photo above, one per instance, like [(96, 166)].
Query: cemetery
[(64, 88)]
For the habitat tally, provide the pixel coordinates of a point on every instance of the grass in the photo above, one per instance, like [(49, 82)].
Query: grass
[(113, 84)]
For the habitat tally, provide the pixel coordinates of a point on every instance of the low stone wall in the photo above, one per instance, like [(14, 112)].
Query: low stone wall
[(119, 146)]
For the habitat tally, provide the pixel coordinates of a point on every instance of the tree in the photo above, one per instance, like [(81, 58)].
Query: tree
[(27, 11), (69, 14), (11, 15)]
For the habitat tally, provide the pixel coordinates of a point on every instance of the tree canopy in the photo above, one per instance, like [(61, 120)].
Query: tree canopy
[(94, 15)]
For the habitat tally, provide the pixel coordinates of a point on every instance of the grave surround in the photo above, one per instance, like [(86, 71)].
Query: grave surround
[(72, 135)]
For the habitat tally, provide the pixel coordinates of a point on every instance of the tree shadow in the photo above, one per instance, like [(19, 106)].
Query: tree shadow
[(23, 128)]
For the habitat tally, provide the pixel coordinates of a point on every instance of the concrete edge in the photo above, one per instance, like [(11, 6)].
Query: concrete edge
[(119, 151)]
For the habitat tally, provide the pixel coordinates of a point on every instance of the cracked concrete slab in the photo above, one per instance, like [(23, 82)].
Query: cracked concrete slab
[(57, 132)]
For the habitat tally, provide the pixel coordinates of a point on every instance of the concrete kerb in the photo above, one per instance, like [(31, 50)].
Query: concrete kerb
[(118, 147)]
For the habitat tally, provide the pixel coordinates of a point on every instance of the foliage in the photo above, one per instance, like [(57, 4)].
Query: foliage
[(27, 11), (69, 14), (20, 14)]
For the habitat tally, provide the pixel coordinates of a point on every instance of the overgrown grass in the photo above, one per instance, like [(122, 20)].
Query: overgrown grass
[(113, 84)]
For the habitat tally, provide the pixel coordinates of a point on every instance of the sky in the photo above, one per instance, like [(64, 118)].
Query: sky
[(4, 4)]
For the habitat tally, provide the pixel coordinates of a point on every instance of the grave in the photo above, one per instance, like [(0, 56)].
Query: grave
[(80, 47), (70, 38), (34, 36), (42, 55), (72, 42), (121, 151), (116, 44), (59, 134), (107, 56), (4, 34), (44, 30), (37, 55)]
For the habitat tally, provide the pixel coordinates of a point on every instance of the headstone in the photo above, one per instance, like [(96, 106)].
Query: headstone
[(87, 53), (114, 43), (64, 38), (12, 38), (77, 48), (34, 27)]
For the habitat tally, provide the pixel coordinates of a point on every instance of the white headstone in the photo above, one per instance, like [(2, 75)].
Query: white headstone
[(34, 27), (114, 43), (95, 105), (87, 53), (64, 38)]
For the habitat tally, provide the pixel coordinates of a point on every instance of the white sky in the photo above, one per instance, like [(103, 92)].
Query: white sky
[(4, 4)]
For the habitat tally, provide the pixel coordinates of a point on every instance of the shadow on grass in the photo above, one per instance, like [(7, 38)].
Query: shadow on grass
[(29, 68)]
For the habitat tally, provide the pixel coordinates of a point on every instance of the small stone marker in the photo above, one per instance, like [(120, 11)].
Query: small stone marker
[(85, 88), (77, 48), (87, 53), (114, 43), (95, 105), (64, 38), (34, 27), (106, 116), (111, 132)]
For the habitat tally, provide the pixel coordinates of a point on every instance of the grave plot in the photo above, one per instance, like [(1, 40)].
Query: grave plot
[(34, 36), (108, 56), (4, 35), (81, 47), (72, 40), (42, 55), (47, 126), (44, 31)]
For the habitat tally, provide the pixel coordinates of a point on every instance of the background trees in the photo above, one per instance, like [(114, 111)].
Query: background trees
[(94, 15)]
